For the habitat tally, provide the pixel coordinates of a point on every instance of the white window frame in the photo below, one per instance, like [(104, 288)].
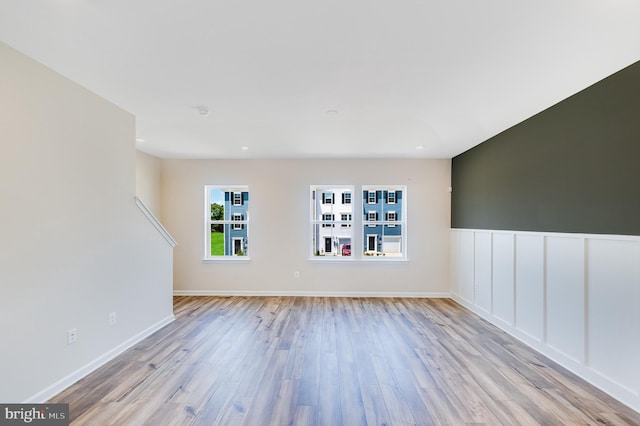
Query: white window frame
[(326, 221), (346, 217), (389, 197), (371, 195), (228, 222), (372, 216), (328, 197), (236, 218), (394, 218)]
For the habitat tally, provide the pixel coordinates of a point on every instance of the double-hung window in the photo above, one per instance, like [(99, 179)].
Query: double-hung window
[(237, 218), (381, 228), (328, 218), (384, 221), (391, 197), (331, 221), (226, 233), (391, 217), (327, 197), (372, 217)]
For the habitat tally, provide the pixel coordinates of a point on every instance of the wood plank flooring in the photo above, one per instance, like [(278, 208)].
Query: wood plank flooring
[(334, 361)]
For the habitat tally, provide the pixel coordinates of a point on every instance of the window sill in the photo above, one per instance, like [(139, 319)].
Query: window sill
[(348, 259), (229, 259)]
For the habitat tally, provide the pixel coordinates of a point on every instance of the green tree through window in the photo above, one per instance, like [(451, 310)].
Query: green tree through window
[(217, 213)]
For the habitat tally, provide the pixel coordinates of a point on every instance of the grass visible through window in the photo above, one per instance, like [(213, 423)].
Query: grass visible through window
[(217, 244)]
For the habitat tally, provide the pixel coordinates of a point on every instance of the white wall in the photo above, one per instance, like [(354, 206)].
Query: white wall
[(149, 182), (573, 297), (74, 245), (279, 227)]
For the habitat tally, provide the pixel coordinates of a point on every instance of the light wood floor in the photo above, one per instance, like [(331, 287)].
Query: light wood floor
[(334, 361)]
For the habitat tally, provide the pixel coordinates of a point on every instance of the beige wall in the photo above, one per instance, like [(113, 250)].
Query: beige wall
[(149, 182), (74, 246), (279, 228)]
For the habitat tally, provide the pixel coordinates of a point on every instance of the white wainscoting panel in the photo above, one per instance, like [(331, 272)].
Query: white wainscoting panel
[(614, 312), (483, 268), (573, 297), (503, 276), (565, 295), (530, 285), (466, 262), (455, 262)]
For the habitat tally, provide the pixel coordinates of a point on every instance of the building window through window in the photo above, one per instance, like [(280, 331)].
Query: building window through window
[(237, 198), (237, 217), (371, 218), (391, 217), (327, 198), (328, 217), (391, 197)]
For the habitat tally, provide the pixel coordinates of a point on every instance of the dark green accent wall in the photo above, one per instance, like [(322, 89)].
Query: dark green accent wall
[(574, 167)]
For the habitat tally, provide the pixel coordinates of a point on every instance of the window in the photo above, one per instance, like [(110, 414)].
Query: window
[(328, 217), (381, 227), (237, 217), (371, 218), (391, 197), (327, 198), (330, 237), (384, 224), (391, 217), (226, 222), (237, 198), (345, 218)]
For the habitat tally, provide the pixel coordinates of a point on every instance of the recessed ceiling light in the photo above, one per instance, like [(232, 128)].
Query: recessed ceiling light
[(139, 140), (244, 148), (419, 147), (203, 110), (332, 112)]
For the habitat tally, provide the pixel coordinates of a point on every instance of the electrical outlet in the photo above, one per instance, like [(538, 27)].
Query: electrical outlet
[(112, 318), (72, 336)]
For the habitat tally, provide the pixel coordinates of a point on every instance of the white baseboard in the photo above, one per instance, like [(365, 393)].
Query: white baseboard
[(57, 387), (415, 295)]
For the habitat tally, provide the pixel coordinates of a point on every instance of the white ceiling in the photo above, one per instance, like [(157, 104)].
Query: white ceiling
[(442, 75)]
